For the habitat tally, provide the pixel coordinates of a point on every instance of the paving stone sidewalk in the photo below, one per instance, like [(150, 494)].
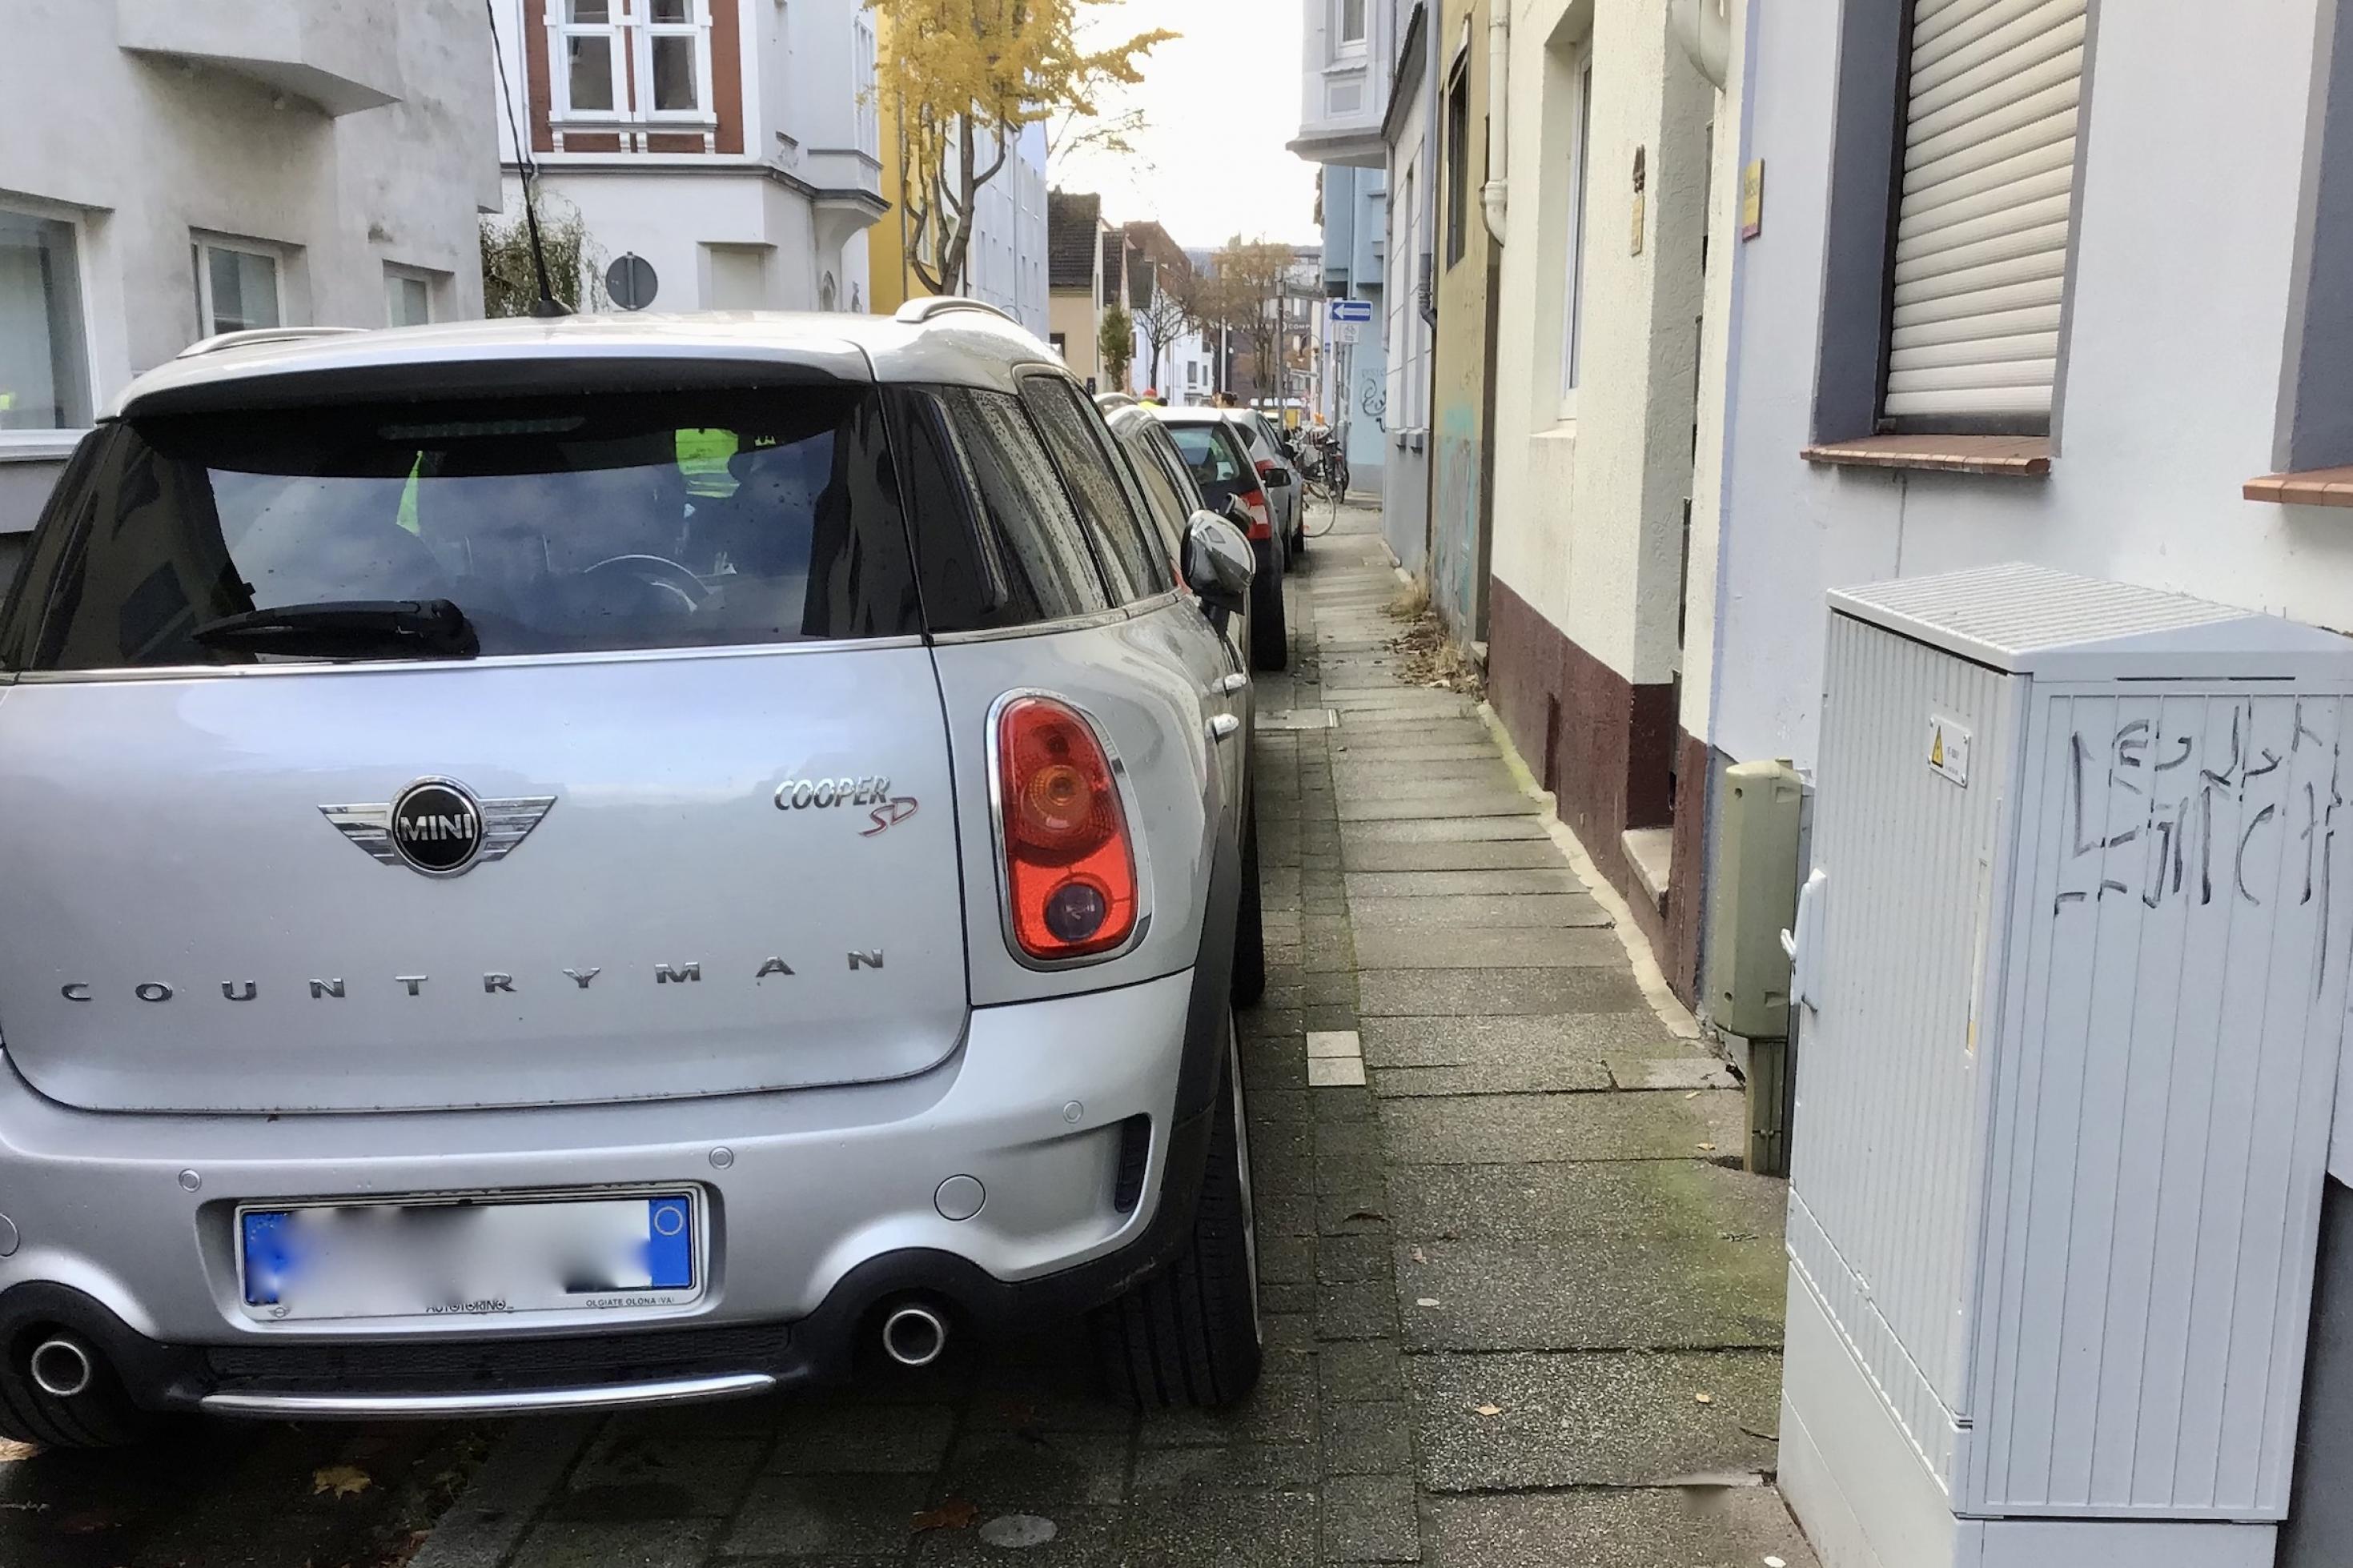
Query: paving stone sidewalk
[(1523, 1309)]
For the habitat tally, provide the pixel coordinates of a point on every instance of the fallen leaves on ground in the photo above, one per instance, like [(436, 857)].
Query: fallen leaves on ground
[(341, 1480), (955, 1513), (1486, 1410), (1418, 1258), (11, 1450), (1428, 657)]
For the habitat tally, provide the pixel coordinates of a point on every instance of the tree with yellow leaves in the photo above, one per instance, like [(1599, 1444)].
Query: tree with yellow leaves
[(967, 77)]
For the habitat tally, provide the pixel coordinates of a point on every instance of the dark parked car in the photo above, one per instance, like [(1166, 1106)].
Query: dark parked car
[(1211, 445)]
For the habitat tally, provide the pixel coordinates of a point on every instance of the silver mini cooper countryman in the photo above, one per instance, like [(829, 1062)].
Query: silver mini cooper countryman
[(614, 861)]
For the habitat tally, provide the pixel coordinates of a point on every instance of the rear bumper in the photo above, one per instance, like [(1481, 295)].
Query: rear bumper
[(821, 1205)]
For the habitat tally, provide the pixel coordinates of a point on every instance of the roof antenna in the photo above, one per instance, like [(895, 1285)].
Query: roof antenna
[(547, 303)]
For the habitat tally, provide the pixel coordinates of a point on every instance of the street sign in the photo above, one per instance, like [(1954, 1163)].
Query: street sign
[(631, 283), (1345, 332), (1351, 309)]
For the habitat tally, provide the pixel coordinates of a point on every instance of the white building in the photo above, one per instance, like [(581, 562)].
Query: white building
[(1350, 55), (175, 168), (1006, 263), (734, 145), (1408, 314)]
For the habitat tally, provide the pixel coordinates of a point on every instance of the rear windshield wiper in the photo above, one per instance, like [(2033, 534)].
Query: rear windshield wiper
[(356, 628)]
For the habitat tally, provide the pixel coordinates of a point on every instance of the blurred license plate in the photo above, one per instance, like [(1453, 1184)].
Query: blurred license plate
[(428, 1260)]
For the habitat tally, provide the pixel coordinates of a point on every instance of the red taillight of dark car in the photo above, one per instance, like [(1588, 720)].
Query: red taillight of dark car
[(1070, 864), (1261, 524)]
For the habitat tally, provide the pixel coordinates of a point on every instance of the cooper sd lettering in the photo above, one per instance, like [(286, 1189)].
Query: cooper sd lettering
[(884, 809)]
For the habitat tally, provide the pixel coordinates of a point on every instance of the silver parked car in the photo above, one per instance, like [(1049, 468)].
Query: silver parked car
[(608, 861)]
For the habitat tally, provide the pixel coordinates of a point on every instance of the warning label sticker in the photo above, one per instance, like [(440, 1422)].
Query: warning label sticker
[(1948, 749)]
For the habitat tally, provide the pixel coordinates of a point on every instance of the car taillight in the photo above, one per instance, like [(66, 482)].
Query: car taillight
[(1262, 518), (1070, 867)]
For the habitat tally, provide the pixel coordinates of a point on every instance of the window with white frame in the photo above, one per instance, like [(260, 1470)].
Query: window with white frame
[(1349, 26), (862, 67), (238, 287), (632, 61), (589, 58), (1573, 268), (44, 360), (408, 296), (674, 63)]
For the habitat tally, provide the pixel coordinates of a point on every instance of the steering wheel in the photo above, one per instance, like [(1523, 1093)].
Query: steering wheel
[(659, 571)]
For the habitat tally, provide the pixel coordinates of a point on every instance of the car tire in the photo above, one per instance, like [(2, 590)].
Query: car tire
[(1269, 637), (99, 1416), (1189, 1335), (1249, 920)]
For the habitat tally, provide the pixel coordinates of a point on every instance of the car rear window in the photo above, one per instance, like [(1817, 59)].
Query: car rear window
[(555, 525), (1213, 462)]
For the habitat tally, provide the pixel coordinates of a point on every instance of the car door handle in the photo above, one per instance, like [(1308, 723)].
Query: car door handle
[(1224, 727), (1228, 685)]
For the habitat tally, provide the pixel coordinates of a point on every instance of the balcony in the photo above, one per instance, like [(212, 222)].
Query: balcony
[(342, 55)]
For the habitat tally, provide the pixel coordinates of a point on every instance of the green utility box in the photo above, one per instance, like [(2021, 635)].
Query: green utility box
[(1755, 899)]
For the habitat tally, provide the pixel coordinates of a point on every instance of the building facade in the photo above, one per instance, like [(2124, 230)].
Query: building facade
[(733, 145), (1463, 373), (1351, 374), (1004, 263), (1075, 282), (1409, 313), (1600, 191), (176, 168)]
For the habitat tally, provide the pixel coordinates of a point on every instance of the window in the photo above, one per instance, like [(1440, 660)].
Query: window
[(43, 367), (408, 296), (676, 59), (861, 79), (996, 541), (1075, 433), (1985, 202), (603, 48), (1573, 306), (1351, 29), (556, 524), (237, 289), (1165, 505), (588, 57), (1457, 165)]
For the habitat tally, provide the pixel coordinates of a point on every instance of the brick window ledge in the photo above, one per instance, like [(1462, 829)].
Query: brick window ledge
[(2022, 457), (2305, 487)]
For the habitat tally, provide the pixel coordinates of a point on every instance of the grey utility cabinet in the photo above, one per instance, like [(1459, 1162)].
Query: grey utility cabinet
[(2072, 963)]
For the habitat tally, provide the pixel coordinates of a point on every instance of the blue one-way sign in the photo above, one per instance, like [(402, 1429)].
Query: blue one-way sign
[(1351, 309)]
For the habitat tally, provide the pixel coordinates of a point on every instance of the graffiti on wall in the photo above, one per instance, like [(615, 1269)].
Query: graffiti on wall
[(1454, 527)]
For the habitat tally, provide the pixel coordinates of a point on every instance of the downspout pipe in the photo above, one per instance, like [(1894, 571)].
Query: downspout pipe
[(1704, 31), (1495, 195)]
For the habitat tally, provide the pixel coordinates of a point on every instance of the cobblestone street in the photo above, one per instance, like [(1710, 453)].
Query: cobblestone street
[(1523, 1309)]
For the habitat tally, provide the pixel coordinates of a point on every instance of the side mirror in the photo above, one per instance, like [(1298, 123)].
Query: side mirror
[(1217, 563), (1277, 479)]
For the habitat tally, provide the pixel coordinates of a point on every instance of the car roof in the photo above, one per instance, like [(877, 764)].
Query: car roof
[(976, 347)]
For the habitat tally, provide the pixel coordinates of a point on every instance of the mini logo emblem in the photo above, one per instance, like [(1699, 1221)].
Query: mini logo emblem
[(438, 826)]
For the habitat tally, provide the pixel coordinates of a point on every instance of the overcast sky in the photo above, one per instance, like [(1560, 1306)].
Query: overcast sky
[(1220, 103)]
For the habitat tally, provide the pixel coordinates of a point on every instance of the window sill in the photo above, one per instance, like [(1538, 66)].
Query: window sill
[(2305, 487), (2018, 457), (38, 446)]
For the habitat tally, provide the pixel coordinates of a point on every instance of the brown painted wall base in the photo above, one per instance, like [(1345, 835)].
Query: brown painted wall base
[(1604, 747), (1696, 770)]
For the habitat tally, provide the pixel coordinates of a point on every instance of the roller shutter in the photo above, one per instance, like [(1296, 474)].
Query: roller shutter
[(1986, 197)]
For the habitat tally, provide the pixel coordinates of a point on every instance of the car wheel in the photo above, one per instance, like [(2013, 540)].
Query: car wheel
[(1270, 638), (1249, 921), (100, 1416), (1189, 1335)]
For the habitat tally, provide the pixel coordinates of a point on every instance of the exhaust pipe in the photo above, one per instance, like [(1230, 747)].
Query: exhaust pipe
[(914, 1335), (60, 1367)]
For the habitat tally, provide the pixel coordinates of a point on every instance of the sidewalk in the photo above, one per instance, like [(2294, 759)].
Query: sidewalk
[(1522, 1306)]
